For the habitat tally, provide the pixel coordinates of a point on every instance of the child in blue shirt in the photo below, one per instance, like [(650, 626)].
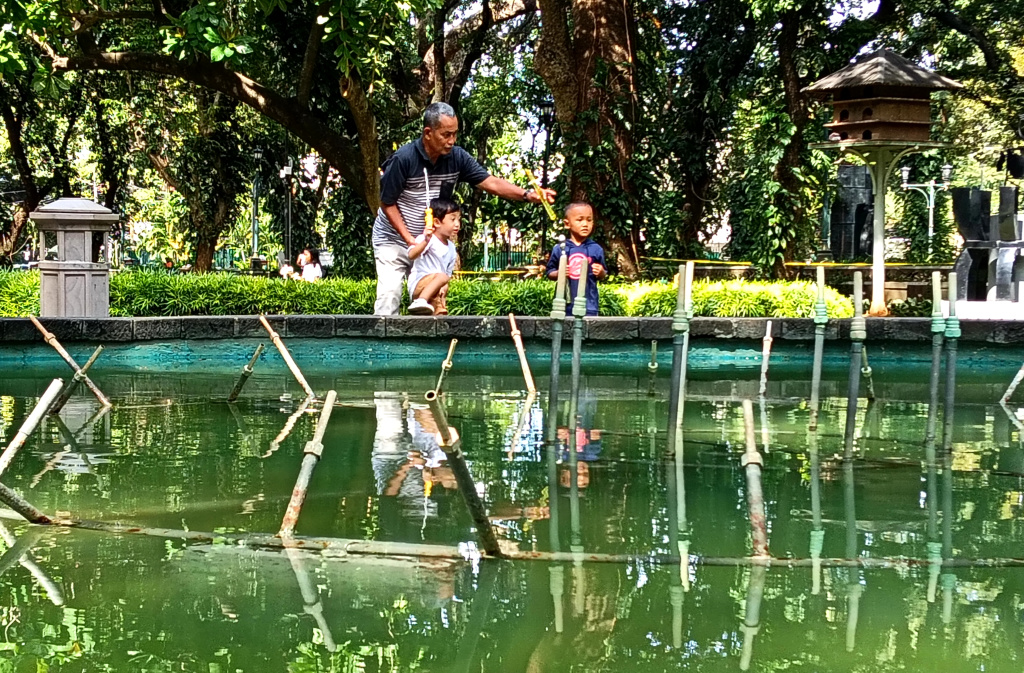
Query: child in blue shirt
[(579, 217)]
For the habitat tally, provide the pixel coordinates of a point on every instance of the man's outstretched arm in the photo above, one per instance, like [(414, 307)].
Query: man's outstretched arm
[(492, 184)]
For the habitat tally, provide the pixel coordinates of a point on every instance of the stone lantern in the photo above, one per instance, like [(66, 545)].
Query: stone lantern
[(76, 282), (881, 112)]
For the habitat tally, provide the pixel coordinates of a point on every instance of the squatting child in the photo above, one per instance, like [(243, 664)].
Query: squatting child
[(579, 217), (433, 260)]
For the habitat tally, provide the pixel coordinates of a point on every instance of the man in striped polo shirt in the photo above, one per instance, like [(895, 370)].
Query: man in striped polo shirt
[(432, 162)]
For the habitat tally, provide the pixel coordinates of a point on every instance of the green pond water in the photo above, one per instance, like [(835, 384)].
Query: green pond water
[(171, 453)]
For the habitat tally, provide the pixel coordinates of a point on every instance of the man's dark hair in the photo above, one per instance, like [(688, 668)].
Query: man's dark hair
[(442, 207), (576, 204), (432, 115)]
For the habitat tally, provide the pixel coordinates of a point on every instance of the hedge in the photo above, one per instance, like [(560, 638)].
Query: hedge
[(154, 293)]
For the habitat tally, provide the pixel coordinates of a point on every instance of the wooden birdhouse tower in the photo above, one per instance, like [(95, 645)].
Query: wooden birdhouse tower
[(882, 96)]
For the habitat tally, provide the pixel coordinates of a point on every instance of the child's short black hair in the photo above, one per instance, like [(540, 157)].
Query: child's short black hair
[(576, 204), (442, 207)]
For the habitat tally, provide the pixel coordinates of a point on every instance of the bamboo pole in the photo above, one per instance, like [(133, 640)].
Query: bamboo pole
[(766, 352), (349, 547), (452, 449), (865, 371), (680, 354), (287, 357), (246, 373), (517, 337), (557, 325), (952, 335), (52, 340), (446, 365), (72, 385), (23, 507), (311, 456), (30, 423), (820, 323)]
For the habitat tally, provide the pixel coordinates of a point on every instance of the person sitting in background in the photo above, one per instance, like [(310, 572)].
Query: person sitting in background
[(433, 258), (309, 262)]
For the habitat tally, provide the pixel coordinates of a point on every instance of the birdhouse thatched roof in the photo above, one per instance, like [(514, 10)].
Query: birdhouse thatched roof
[(882, 68)]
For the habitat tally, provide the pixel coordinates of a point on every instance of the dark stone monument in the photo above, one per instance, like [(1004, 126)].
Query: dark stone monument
[(850, 223), (990, 266)]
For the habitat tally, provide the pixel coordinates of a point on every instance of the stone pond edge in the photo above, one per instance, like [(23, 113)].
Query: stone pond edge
[(102, 330)]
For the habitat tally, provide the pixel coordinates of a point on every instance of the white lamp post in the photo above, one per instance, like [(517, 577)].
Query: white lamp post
[(257, 154), (928, 189)]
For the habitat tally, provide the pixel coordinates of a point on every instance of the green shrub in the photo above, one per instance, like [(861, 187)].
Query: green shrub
[(154, 293)]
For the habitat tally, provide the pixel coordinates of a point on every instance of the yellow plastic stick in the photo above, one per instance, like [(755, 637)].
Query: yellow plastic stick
[(540, 193)]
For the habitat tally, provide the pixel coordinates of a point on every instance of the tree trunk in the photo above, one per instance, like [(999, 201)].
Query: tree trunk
[(789, 199), (569, 64)]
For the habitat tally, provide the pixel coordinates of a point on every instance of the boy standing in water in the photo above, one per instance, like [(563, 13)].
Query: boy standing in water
[(579, 217), (433, 260)]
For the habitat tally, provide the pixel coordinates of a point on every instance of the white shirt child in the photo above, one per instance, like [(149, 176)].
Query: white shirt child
[(437, 257)]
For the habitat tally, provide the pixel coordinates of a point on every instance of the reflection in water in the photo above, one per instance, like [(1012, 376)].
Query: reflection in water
[(133, 604)]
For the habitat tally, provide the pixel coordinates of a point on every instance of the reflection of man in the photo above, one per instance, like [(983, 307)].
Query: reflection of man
[(432, 158), (407, 461)]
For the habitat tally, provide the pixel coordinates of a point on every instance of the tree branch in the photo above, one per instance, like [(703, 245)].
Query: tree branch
[(336, 148), (316, 35), (473, 54), (993, 61)]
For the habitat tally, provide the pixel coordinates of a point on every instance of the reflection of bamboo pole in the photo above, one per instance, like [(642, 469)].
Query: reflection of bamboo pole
[(817, 532), (752, 612), (30, 423), (311, 456), (246, 373), (820, 322), (288, 425), (853, 587), (933, 545), (446, 365), (451, 446), (751, 462), (72, 385), (48, 585), (858, 332), (312, 605), (517, 337), (16, 552), (287, 357), (531, 397), (52, 340)]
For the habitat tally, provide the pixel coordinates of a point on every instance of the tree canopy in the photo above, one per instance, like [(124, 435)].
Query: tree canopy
[(672, 117)]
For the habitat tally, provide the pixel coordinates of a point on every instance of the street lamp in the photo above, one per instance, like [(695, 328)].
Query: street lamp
[(286, 175), (257, 155), (928, 189)]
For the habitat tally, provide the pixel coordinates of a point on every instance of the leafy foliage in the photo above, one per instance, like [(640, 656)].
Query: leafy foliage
[(147, 293)]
